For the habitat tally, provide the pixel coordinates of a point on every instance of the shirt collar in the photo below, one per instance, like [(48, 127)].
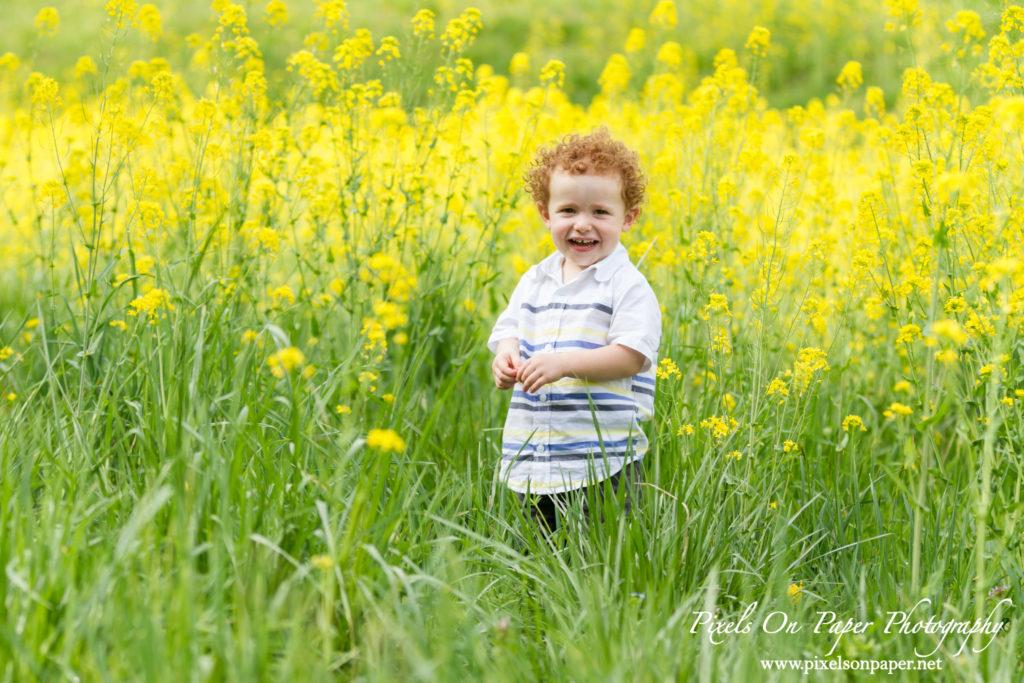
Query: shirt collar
[(603, 269)]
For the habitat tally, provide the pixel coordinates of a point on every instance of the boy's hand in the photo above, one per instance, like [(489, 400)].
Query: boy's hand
[(506, 364), (544, 368)]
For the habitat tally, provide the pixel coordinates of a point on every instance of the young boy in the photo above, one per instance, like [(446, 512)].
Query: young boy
[(578, 342)]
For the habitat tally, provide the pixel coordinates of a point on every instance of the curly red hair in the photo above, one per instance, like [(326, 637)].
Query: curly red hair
[(596, 152)]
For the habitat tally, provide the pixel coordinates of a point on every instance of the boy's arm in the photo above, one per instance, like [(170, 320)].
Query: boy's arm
[(597, 365)]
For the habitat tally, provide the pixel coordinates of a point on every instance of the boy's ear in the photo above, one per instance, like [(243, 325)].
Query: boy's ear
[(630, 218), (543, 209)]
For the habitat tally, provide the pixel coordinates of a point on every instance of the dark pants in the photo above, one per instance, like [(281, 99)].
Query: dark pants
[(545, 509)]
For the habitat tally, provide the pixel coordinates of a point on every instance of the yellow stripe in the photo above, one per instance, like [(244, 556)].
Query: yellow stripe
[(572, 382)]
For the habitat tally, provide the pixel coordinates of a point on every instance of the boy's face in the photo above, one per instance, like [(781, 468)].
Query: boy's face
[(586, 216)]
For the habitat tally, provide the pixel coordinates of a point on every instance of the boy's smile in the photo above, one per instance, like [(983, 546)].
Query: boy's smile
[(586, 216)]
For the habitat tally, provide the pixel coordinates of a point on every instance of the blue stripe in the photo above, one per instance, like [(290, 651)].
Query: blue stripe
[(508, 446), (582, 408), (567, 306), (646, 380), (597, 396), (570, 344), (567, 457)]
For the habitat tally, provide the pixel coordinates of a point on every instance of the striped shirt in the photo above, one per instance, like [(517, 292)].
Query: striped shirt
[(572, 432)]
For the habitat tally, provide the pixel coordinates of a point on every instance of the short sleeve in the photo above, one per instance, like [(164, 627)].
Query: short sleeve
[(507, 324), (636, 320)]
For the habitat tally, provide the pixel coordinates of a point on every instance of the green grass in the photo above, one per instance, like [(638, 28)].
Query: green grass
[(160, 523)]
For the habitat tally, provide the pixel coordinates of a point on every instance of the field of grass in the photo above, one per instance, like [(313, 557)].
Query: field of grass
[(247, 424)]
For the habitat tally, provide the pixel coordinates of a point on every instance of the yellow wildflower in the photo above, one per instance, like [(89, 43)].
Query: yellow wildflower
[(850, 77), (322, 562), (48, 21), (663, 15), (520, 64), (897, 410), (758, 41), (853, 422), (122, 11), (149, 22), (908, 333), (635, 40), (777, 387), (85, 65), (151, 302), (719, 427), (949, 329), (276, 13), (955, 304), (282, 294), (553, 75), (285, 361), (671, 54), (333, 12), (385, 440), (668, 369), (9, 61), (423, 23), (615, 75)]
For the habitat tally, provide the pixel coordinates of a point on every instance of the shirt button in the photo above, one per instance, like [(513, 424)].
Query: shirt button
[(540, 448), (548, 347), (543, 398)]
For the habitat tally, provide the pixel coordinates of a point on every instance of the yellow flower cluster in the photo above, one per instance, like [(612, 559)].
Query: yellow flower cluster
[(667, 369), (853, 422), (286, 360), (896, 409), (48, 21), (809, 365), (719, 427), (153, 302), (758, 41), (385, 440), (664, 14), (460, 31), (850, 78)]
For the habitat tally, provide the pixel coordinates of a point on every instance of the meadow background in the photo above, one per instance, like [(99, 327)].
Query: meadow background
[(252, 252)]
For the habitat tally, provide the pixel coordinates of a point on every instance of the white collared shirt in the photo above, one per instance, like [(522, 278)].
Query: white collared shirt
[(551, 442)]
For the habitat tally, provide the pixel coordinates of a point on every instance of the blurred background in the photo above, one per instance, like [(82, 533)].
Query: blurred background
[(811, 40)]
